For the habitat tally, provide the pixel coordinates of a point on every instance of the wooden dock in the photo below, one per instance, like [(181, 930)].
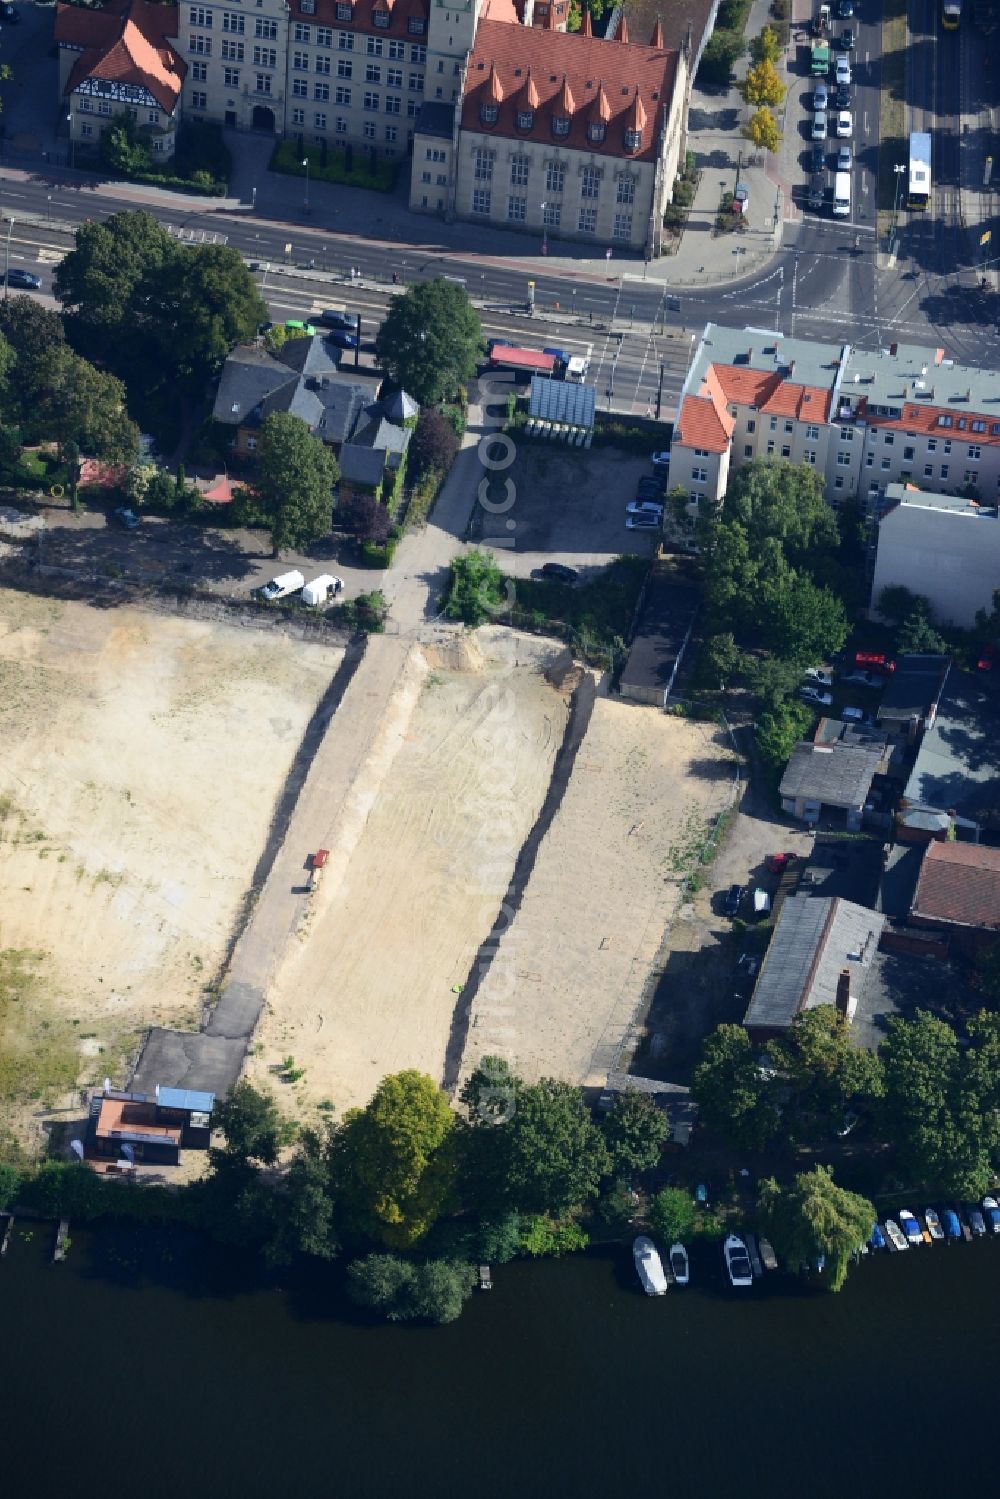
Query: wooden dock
[(62, 1242)]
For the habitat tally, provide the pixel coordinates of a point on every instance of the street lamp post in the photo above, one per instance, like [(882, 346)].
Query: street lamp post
[(48, 207), (305, 163), (545, 231), (899, 169), (72, 142)]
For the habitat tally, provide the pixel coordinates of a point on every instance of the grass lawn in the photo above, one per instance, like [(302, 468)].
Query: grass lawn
[(595, 616), (380, 177), (893, 149)]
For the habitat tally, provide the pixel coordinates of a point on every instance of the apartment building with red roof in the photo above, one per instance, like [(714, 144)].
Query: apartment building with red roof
[(958, 893), (121, 58), (865, 419)]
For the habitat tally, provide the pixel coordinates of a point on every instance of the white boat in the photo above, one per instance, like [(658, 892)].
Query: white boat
[(649, 1267), (737, 1261), (895, 1234), (910, 1226), (679, 1267), (933, 1224), (768, 1255)]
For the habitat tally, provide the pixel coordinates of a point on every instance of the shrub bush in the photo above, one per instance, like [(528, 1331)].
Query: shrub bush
[(339, 166)]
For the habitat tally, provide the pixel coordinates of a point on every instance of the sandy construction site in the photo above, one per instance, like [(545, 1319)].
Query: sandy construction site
[(141, 757)]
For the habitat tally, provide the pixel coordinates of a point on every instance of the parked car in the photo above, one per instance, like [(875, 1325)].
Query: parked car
[(778, 863), (297, 326), (845, 158), (25, 279), (815, 674), (644, 522), (342, 340), (857, 715), (845, 9), (842, 68), (986, 657), (849, 38), (649, 489), (816, 192), (820, 125), (741, 198), (821, 96), (127, 518), (329, 318), (10, 14), (732, 901), (842, 96), (761, 904), (282, 586), (817, 157), (556, 572), (863, 678), (845, 125), (812, 695), (661, 460), (645, 507)]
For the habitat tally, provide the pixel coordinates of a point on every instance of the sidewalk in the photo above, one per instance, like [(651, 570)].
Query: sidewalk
[(979, 181)]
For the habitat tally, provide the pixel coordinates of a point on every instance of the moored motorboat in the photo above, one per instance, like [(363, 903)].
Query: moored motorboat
[(933, 1224), (649, 1266), (910, 1226), (952, 1227), (737, 1259), (976, 1220), (877, 1237), (895, 1235), (679, 1265), (768, 1255), (755, 1261), (991, 1211)]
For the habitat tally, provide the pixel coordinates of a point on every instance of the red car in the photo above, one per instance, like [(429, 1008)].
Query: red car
[(986, 658), (876, 660), (778, 863)]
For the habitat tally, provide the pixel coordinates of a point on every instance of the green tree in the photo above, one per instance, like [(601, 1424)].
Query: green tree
[(440, 1290), (10, 1185), (762, 84), (303, 1217), (722, 51), (99, 285), (401, 1290), (672, 1214), (823, 1070), (720, 660), (83, 408), (733, 1096), (294, 481), (555, 1154), (433, 445), (253, 1126), (800, 622), (780, 729), (430, 340), (545, 1238), (478, 589), (396, 1160), (121, 148), (762, 130), (766, 47), (206, 301), (635, 1132), (786, 502), (815, 1217)]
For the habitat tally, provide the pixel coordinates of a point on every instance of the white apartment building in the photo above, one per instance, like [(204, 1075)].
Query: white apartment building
[(865, 418), (942, 546)]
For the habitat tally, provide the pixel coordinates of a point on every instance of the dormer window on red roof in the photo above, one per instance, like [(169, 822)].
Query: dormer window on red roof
[(596, 132), (560, 125), (525, 119), (633, 141), (489, 112)]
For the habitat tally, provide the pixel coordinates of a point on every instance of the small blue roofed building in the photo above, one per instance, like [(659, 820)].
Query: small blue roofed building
[(136, 1128)]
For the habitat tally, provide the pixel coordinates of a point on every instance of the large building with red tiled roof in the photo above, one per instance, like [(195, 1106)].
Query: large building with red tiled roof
[(865, 419), (958, 892), (560, 134), (120, 59)]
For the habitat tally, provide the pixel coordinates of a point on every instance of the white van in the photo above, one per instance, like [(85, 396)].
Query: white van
[(761, 904), (281, 586), (319, 590), (842, 195)]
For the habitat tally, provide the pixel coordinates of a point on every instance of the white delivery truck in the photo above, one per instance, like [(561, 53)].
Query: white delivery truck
[(319, 589), (281, 586), (842, 195)]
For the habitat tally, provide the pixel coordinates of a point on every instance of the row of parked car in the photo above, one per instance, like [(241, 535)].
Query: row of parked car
[(817, 684), (645, 512)]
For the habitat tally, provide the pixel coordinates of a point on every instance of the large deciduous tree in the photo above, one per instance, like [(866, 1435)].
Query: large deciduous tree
[(762, 130), (823, 1071), (634, 1131), (762, 84), (672, 1214), (83, 409), (731, 1090), (395, 1160), (814, 1217), (430, 340), (295, 476)]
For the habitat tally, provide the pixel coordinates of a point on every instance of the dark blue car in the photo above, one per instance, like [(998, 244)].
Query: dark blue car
[(343, 340)]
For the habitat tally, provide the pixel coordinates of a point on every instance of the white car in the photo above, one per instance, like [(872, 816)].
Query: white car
[(845, 124), (812, 695), (843, 74), (820, 678), (644, 507), (661, 460), (821, 96), (819, 125), (644, 522)]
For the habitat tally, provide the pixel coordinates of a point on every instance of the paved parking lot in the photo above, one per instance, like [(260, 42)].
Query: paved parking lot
[(567, 505)]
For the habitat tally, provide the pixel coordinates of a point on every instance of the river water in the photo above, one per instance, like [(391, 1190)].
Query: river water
[(156, 1364)]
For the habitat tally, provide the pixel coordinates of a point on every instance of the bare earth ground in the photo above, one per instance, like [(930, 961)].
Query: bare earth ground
[(371, 988), (141, 757), (569, 972)]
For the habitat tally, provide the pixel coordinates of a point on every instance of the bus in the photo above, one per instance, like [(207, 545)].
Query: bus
[(951, 14), (918, 190)]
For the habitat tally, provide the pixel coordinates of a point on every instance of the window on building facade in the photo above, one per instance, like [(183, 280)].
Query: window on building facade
[(928, 471), (944, 421), (932, 444), (86, 129), (971, 476), (480, 200), (300, 33), (415, 82), (343, 96), (587, 222), (199, 16), (838, 483), (393, 104), (786, 451), (345, 41), (525, 119), (809, 456), (394, 77), (373, 73), (590, 183), (263, 83), (489, 113), (908, 454), (947, 445), (844, 460), (519, 171), (869, 460), (392, 133), (774, 424), (975, 452), (198, 101), (341, 126), (944, 470), (484, 166), (300, 88), (371, 100), (344, 11), (633, 141), (345, 67), (381, 19), (199, 74), (517, 209), (596, 131), (374, 46), (321, 93), (319, 120), (626, 190), (265, 57), (298, 116), (847, 434), (442, 177), (266, 30), (231, 77), (770, 447), (748, 451), (560, 125), (368, 130), (232, 51), (418, 53), (699, 475), (234, 23), (622, 226), (555, 177), (789, 428), (202, 44), (396, 51), (415, 26), (425, 176), (552, 215), (812, 434), (751, 425), (412, 108), (889, 439), (323, 65)]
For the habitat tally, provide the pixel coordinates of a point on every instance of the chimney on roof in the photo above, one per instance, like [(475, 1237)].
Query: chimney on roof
[(656, 40), (893, 349), (586, 28), (623, 30), (846, 1003), (938, 355)]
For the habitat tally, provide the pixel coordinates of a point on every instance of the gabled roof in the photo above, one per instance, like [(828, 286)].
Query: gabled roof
[(958, 763), (773, 391), (303, 379), (360, 465), (125, 43), (960, 883), (835, 775), (815, 939), (568, 70), (704, 420)]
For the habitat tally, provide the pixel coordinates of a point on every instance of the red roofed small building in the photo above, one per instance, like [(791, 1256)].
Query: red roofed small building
[(958, 892), (121, 60), (561, 134)]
